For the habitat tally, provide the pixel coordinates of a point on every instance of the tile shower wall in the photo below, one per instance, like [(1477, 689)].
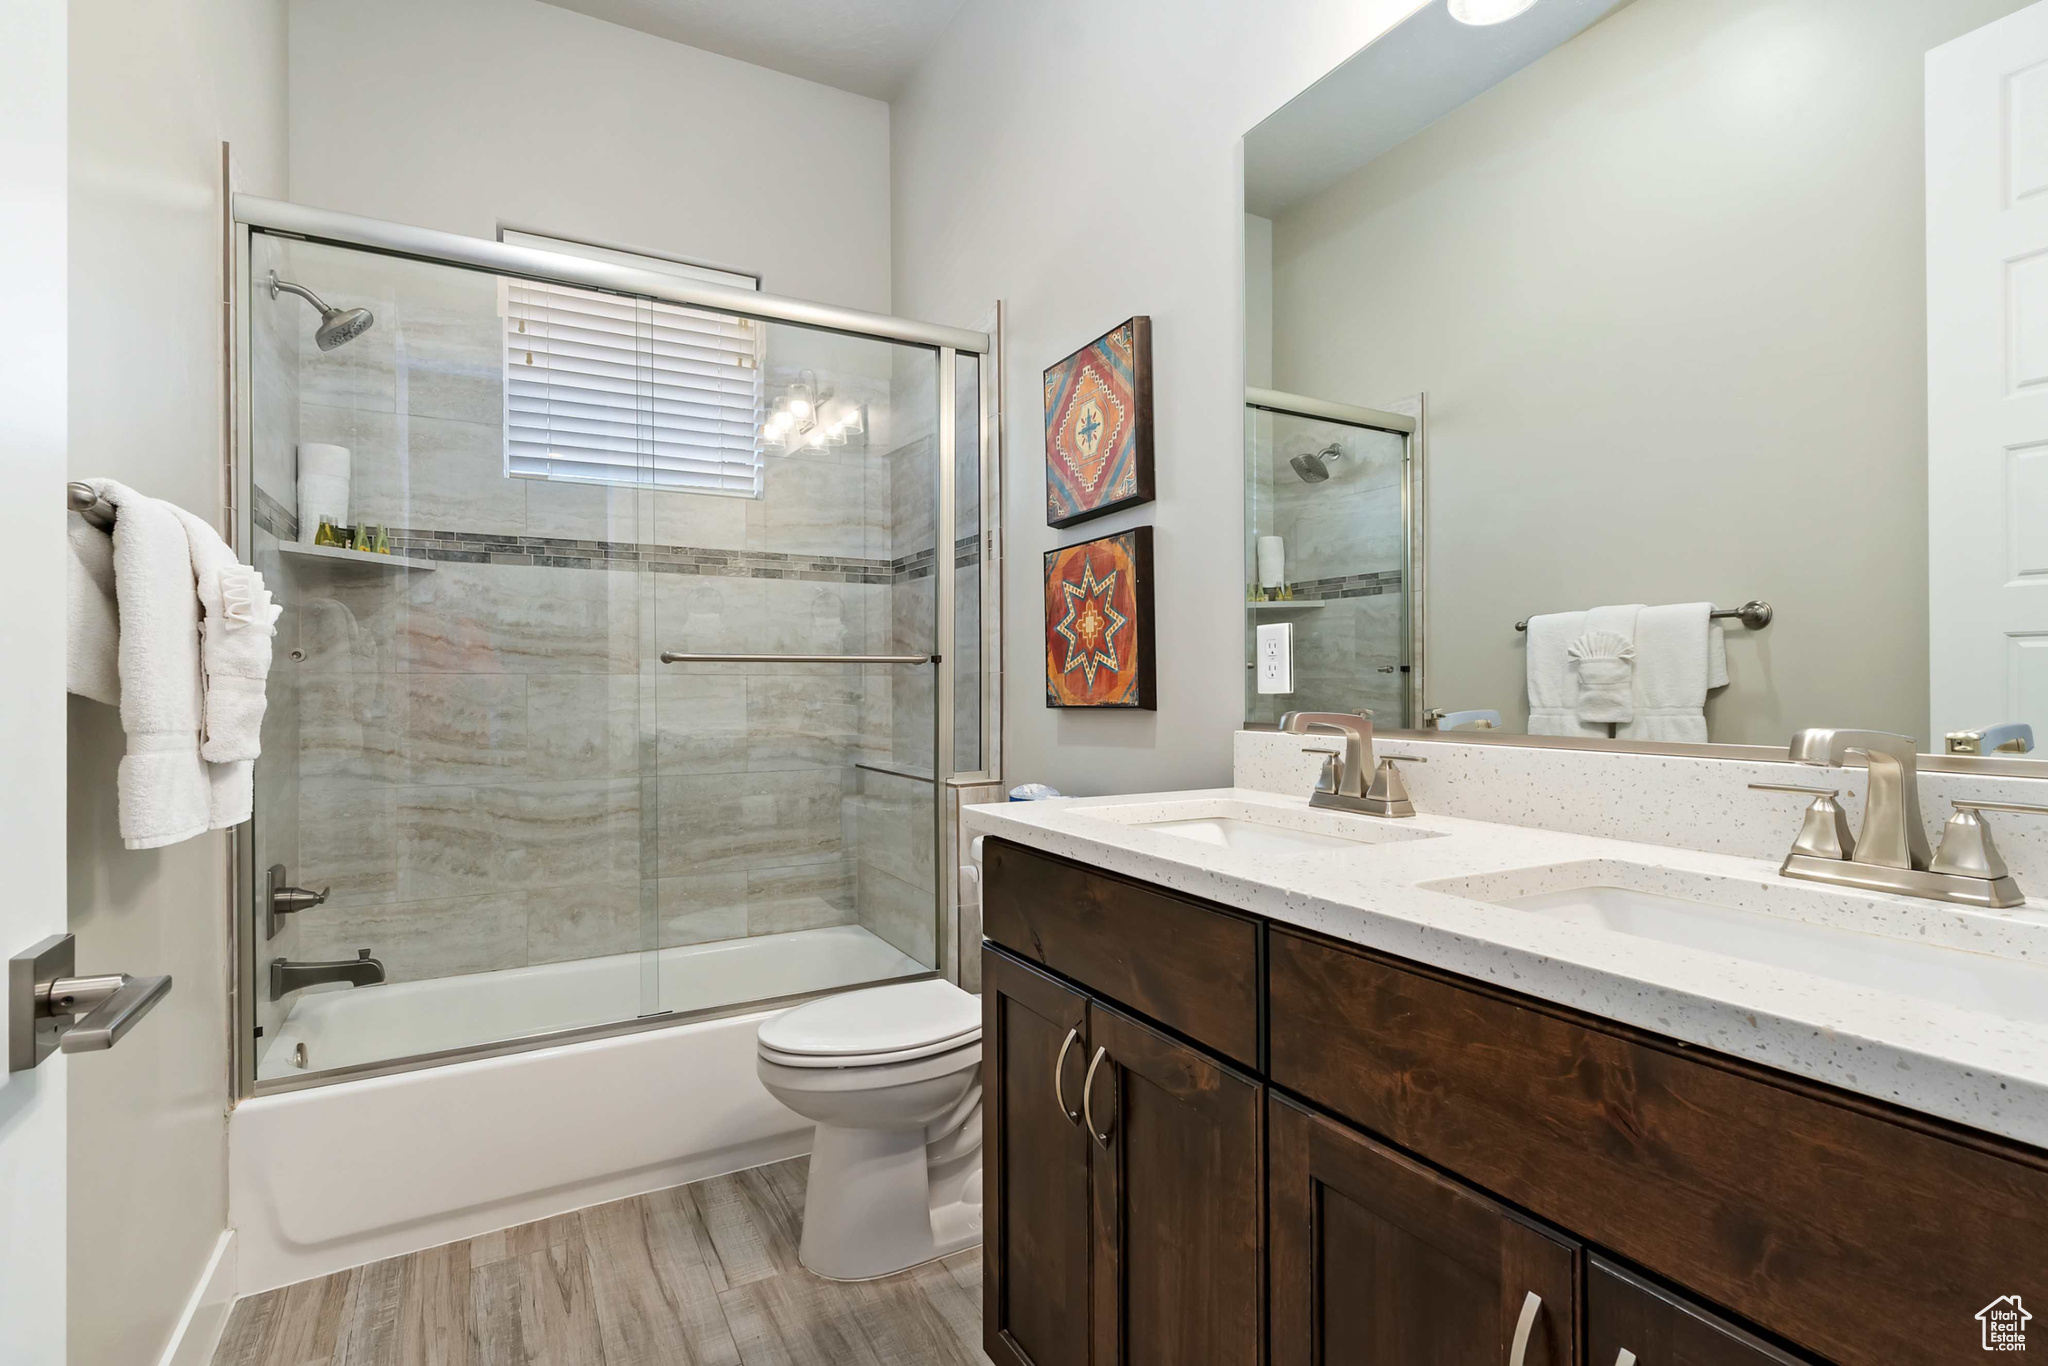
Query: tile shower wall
[(492, 769), (1344, 549)]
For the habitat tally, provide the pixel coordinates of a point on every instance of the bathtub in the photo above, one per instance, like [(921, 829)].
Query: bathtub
[(348, 1027), (332, 1176)]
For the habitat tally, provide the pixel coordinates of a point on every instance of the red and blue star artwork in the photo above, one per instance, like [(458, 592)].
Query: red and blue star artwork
[(1098, 426), (1098, 623)]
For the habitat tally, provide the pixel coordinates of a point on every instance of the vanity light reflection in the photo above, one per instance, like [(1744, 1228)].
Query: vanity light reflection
[(1482, 12)]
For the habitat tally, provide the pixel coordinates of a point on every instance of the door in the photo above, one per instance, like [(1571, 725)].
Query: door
[(1178, 1265), (32, 433), (1376, 1258), (1034, 1044), (1634, 1322), (1987, 375)]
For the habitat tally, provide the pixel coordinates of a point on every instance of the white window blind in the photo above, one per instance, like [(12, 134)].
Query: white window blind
[(600, 388)]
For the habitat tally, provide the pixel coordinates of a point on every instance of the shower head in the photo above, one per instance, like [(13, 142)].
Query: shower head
[(338, 326), (1314, 466)]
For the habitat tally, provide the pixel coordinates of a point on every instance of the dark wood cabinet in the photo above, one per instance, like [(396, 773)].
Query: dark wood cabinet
[(1377, 1258), (1632, 1321), (1035, 1167), (1177, 1176)]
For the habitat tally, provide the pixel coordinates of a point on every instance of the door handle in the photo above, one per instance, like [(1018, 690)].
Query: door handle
[(1523, 1327), (49, 1006), (1101, 1136), (1059, 1077)]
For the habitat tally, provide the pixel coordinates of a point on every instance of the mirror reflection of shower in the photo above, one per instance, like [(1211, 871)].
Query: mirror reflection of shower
[(1313, 467), (338, 326)]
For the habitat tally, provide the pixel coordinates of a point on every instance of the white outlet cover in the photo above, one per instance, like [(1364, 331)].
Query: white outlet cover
[(1275, 657)]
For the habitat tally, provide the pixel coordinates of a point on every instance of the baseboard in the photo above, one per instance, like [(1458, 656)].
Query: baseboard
[(206, 1313)]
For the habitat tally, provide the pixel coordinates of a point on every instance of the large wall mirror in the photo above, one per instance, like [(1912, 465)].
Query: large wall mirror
[(1568, 326)]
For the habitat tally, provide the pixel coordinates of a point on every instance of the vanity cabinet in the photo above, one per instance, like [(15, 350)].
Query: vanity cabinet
[(1376, 1258), (1435, 1150), (1122, 1169)]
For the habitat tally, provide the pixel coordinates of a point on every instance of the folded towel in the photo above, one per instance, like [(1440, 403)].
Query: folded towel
[(195, 628), (321, 495), (1553, 681), (93, 637), (1676, 663), (1606, 665), (320, 458)]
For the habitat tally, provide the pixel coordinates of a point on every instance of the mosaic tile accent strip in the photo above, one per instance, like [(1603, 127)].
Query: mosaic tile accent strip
[(966, 552), (273, 516), (1348, 586)]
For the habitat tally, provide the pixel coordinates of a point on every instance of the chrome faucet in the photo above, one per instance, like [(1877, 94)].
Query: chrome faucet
[(1891, 853), (1343, 785), (359, 971)]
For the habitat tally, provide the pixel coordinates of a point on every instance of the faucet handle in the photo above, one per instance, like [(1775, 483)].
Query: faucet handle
[(1966, 847), (363, 955), (1388, 795), (1326, 781), (1825, 831)]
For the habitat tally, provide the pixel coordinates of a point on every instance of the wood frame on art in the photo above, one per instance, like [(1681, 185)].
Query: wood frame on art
[(1099, 648), (1098, 426)]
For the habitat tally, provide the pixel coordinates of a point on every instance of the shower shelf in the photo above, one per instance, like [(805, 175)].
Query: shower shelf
[(1314, 604), (361, 557)]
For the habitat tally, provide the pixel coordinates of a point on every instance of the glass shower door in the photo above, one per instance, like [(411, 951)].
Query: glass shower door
[(796, 696)]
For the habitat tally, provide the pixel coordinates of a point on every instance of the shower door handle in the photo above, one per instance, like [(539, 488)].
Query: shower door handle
[(684, 657)]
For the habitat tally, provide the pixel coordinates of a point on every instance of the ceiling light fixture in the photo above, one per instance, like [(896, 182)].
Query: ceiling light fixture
[(806, 417), (1482, 12)]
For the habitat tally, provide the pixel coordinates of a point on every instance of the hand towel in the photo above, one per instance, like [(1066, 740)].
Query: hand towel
[(1553, 682), (1606, 668), (321, 495), (1611, 683), (93, 635), (194, 654), (1272, 562), (165, 792), (1675, 665)]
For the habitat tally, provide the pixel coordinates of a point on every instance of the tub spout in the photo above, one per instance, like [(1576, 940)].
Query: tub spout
[(359, 971)]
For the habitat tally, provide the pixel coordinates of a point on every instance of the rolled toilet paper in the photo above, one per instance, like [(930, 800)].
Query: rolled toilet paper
[(321, 496), (1272, 562), (319, 458)]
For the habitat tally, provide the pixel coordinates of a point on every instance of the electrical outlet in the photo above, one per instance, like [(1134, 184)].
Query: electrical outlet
[(1276, 657)]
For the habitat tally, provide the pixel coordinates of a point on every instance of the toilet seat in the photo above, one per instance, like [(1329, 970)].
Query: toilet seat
[(898, 1023)]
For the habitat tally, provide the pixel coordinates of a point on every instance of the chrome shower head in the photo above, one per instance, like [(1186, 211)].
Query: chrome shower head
[(1314, 466), (338, 326)]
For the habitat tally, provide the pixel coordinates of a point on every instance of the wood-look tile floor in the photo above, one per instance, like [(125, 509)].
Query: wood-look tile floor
[(701, 1275)]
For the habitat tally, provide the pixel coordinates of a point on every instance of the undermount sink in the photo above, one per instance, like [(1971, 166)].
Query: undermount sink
[(1822, 933), (1253, 828)]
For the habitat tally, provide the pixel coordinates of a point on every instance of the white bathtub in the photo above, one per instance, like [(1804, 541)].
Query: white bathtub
[(343, 1027), (336, 1175)]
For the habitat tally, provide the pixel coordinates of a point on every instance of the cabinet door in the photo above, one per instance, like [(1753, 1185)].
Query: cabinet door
[(1376, 1258), (1176, 1184), (1035, 1167), (1634, 1322)]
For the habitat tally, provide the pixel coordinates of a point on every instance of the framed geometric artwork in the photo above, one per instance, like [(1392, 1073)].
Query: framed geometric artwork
[(1098, 426), (1098, 623)]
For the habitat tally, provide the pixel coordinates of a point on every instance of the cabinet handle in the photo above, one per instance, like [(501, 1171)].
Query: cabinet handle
[(1101, 1136), (1625, 1358), (1059, 1077), (1523, 1326)]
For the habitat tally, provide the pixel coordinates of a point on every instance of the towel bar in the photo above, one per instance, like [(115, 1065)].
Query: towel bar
[(79, 495), (1755, 614)]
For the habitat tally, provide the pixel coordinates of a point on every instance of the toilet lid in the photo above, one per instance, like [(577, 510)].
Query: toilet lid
[(880, 1020)]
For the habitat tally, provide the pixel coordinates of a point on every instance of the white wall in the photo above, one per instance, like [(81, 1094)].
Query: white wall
[(1258, 302), (467, 114), (154, 90), (1082, 162), (1665, 289), (32, 434)]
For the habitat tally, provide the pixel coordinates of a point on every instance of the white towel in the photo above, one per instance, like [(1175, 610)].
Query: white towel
[(93, 635), (321, 495), (195, 629), (1607, 682), (1606, 668), (1677, 660), (1553, 682)]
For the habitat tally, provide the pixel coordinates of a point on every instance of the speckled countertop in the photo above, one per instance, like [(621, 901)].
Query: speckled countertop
[(1973, 1066)]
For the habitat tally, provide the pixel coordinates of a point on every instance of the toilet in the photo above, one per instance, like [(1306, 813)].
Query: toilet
[(892, 1077)]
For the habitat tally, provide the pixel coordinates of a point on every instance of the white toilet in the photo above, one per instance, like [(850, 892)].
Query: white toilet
[(892, 1076)]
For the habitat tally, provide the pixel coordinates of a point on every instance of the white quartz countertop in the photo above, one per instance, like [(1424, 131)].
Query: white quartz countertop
[(1977, 1068)]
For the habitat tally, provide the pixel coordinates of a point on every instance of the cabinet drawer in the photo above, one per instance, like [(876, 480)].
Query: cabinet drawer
[(1855, 1230), (1193, 968)]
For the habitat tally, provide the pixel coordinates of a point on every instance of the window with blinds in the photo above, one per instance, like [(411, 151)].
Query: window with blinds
[(604, 389)]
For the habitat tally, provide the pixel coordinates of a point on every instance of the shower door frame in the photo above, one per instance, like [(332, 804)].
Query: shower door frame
[(250, 214), (1412, 429)]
